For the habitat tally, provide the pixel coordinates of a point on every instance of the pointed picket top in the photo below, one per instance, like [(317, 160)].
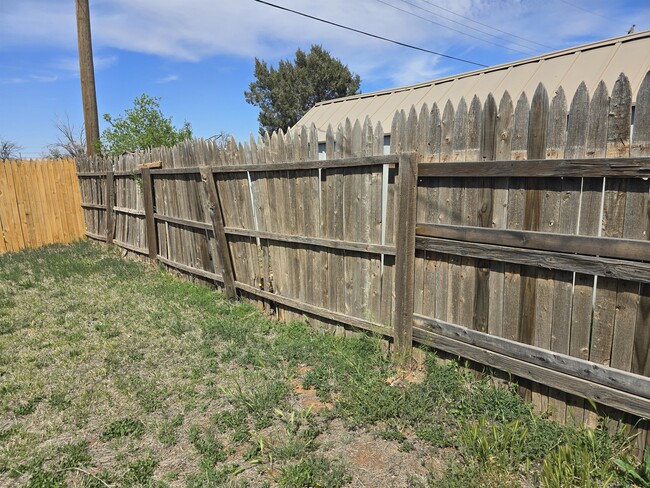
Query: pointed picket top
[(249, 155), (460, 131), (619, 119), (339, 141), (379, 139), (291, 146), (434, 135), (262, 150), (296, 141), (488, 129), (447, 132), (313, 142), (596, 143), (556, 130), (200, 153), (474, 129), (422, 136), (230, 151), (400, 116), (577, 123), (520, 128), (641, 138), (395, 133), (272, 141), (356, 143), (329, 142), (266, 138), (240, 155), (411, 132), (254, 151), (346, 148), (303, 151), (281, 154), (209, 152), (539, 109), (366, 137), (217, 156)]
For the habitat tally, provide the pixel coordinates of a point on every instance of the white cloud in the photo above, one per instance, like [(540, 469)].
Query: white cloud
[(168, 79), (193, 30), (30, 79), (71, 64)]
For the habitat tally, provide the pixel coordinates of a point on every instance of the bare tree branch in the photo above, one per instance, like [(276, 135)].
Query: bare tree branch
[(9, 149), (71, 141)]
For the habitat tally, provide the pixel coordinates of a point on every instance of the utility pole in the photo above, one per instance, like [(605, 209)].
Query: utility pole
[(87, 75)]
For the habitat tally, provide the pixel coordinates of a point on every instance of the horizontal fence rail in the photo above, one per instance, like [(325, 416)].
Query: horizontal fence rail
[(514, 235)]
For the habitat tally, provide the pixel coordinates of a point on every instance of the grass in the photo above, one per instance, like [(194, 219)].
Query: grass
[(117, 373)]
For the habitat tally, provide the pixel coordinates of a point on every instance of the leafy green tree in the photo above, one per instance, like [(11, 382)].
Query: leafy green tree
[(285, 94), (141, 127)]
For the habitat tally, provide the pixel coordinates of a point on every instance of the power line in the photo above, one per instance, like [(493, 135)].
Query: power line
[(375, 36), (451, 28), (588, 11), (531, 50), (486, 25)]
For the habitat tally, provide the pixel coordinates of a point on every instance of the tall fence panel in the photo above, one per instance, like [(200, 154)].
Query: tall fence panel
[(530, 220), (40, 203)]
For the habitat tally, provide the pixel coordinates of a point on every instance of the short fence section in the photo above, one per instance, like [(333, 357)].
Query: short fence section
[(39, 203), (512, 234)]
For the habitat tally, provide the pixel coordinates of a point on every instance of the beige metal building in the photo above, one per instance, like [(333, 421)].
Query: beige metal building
[(590, 63)]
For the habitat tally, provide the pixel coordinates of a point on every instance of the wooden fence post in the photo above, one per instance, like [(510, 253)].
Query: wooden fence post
[(213, 205), (147, 188), (110, 204), (405, 258)]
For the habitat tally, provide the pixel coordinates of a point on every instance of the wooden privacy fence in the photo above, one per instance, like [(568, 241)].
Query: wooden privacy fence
[(511, 234), (40, 203)]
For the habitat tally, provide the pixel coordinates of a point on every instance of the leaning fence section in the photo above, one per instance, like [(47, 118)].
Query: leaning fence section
[(39, 203), (512, 233)]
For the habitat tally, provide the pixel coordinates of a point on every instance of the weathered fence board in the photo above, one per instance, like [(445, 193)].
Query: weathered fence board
[(522, 244)]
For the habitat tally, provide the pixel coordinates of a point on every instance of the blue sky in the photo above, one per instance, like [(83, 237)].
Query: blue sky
[(198, 55)]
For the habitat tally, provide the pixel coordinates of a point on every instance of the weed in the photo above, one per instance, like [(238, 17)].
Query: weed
[(167, 431), (434, 435), (587, 458), (151, 398), (216, 477), (391, 435), (463, 475), (314, 471), (501, 445), (28, 407), (7, 433), (231, 420), (570, 465), (99, 480), (633, 472), (42, 478), (74, 455), (123, 428), (208, 446), (59, 401), (406, 446), (139, 473), (258, 395)]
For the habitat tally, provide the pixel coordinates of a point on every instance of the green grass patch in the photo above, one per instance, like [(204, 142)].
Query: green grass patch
[(106, 361), (123, 428)]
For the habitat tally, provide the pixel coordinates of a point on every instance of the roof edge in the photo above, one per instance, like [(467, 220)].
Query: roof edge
[(553, 54)]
